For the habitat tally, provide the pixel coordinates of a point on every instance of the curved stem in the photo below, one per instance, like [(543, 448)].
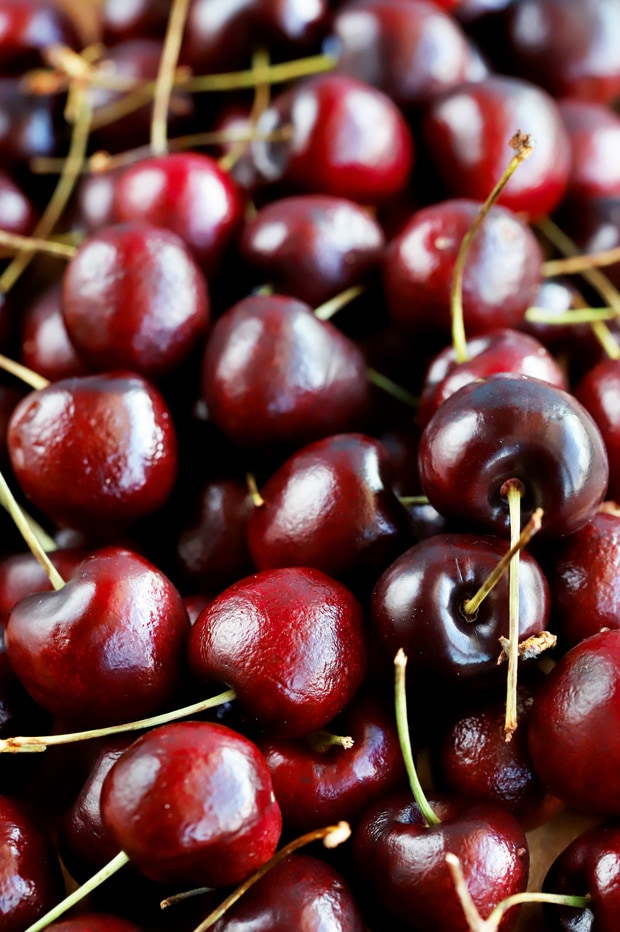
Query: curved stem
[(262, 95), (327, 310), (166, 74), (40, 743), (25, 529), (29, 376), (402, 722), (514, 493)]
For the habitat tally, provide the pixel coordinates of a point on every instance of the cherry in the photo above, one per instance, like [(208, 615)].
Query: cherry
[(502, 274), (348, 140), (46, 347), (419, 604), (301, 892), (508, 351), (409, 50), (187, 193), (320, 778), (313, 246), (467, 131), (17, 214), (29, 124), (192, 803), (273, 374), (134, 298), (136, 20), (568, 47), (598, 392), (28, 29), (573, 726), (107, 647), (506, 427), (94, 452), (590, 865), (402, 859), (291, 642), (21, 574), (331, 506), (94, 922), (30, 876), (594, 132)]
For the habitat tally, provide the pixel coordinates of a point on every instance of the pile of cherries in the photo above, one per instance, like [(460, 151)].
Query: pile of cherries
[(272, 423)]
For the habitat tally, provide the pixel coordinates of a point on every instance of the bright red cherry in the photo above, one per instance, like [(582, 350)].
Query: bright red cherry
[(599, 392)]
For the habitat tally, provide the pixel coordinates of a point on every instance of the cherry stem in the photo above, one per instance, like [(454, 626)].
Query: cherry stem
[(81, 112), (513, 490), (327, 310), (331, 836), (407, 500), (402, 723), (95, 881), (257, 499), (322, 741), (166, 74), (15, 242), (181, 897), (532, 527), (582, 315), (25, 528), (40, 743), (29, 376), (580, 263), (523, 146), (262, 95), (475, 921), (274, 74), (392, 388), (606, 338)]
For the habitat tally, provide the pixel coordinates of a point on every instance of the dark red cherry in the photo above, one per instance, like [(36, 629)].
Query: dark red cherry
[(574, 726), (501, 278), (409, 49), (185, 192), (94, 922), (139, 19), (29, 124), (94, 452), (192, 803), (467, 131), (569, 47), (133, 298), (594, 132), (508, 351), (106, 648), (301, 892), (318, 781), (274, 373), (508, 427), (418, 604), (348, 140), (313, 246), (291, 643), (27, 29), (17, 214), (588, 866), (402, 860), (599, 393), (46, 347), (584, 575), (331, 506), (94, 199), (30, 877), (21, 575)]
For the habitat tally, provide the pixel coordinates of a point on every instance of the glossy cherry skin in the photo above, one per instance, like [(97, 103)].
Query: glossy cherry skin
[(21, 574), (187, 193), (467, 131), (192, 803), (133, 298), (507, 427), (17, 214), (570, 47), (508, 351), (275, 374), (594, 132), (94, 922), (46, 347), (331, 506), (502, 273), (30, 877), (318, 784), (417, 604), (472, 759), (590, 865), (348, 140), (299, 893), (584, 576), (408, 49), (598, 393), (320, 660), (136, 20), (403, 860), (96, 452), (574, 726), (28, 29), (106, 648), (313, 246)]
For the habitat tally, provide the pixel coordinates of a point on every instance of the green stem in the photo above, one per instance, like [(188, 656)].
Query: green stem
[(585, 315), (514, 493), (391, 388), (25, 528), (327, 310)]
